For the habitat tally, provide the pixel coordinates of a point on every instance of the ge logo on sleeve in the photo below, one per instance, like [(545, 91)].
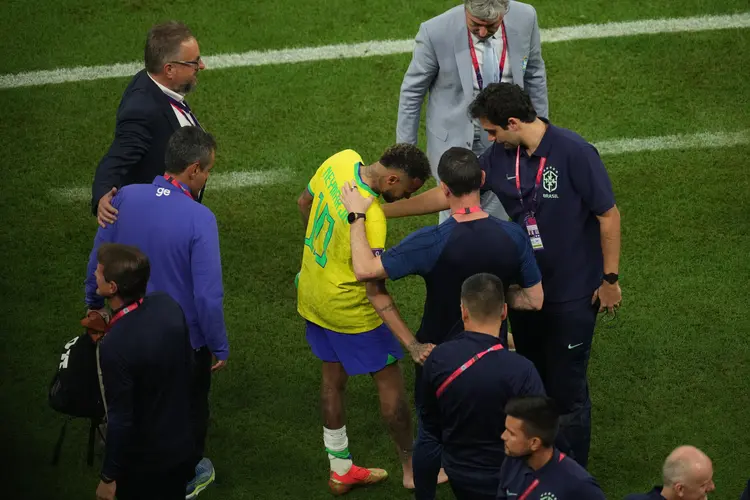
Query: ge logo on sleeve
[(162, 191)]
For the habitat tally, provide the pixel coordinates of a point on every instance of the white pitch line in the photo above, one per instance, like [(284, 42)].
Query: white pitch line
[(376, 48), (220, 181), (700, 140), (235, 180)]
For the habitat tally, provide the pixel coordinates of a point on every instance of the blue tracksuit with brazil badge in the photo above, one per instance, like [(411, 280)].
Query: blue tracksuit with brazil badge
[(562, 478), (445, 256), (564, 186)]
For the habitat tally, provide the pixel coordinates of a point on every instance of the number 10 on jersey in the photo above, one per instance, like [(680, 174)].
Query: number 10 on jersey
[(319, 239)]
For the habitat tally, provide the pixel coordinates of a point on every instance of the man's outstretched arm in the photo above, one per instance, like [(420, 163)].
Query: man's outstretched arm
[(430, 202)]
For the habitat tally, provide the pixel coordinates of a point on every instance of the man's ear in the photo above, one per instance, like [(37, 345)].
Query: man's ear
[(535, 444), (484, 178), (446, 191), (392, 179), (464, 313), (194, 169)]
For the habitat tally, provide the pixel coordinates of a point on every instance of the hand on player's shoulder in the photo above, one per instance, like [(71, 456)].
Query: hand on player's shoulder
[(353, 200)]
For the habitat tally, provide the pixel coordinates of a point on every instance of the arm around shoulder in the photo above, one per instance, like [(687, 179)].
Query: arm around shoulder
[(132, 140)]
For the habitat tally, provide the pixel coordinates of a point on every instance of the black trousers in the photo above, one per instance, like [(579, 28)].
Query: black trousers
[(559, 345), (201, 388), (480, 487), (168, 484)]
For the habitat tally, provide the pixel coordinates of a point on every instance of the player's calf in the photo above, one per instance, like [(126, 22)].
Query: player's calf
[(395, 411)]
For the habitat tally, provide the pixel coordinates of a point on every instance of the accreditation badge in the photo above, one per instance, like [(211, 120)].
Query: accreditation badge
[(533, 230)]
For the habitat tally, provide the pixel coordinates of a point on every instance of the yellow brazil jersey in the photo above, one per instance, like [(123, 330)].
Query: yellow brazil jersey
[(328, 294)]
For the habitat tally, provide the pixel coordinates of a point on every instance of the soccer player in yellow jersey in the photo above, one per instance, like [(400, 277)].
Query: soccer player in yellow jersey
[(351, 325)]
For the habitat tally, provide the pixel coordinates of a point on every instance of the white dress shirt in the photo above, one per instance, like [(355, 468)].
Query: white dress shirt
[(183, 118)]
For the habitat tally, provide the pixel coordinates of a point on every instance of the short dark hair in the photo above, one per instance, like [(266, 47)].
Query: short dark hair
[(483, 296), (459, 170), (163, 44), (408, 158), (499, 102), (188, 145), (127, 266), (540, 417)]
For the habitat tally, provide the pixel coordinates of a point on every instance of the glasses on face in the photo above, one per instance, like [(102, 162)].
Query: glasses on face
[(194, 64)]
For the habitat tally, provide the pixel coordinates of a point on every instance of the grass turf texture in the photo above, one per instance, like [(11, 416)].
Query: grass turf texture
[(672, 368)]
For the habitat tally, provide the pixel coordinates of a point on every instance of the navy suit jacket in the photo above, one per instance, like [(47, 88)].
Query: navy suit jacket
[(145, 122)]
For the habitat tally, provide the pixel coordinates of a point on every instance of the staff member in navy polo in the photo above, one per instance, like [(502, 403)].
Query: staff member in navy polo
[(181, 239), (554, 185), (469, 242), (146, 362), (534, 469), (467, 382)]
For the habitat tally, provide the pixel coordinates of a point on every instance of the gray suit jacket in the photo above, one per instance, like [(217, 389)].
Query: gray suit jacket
[(441, 64)]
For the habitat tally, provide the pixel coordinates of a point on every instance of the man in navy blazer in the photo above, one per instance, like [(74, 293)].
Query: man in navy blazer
[(152, 108)]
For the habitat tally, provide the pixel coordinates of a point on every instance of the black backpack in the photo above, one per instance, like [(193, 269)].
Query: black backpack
[(76, 390)]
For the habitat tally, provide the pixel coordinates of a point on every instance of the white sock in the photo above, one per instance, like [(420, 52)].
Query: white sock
[(337, 446)]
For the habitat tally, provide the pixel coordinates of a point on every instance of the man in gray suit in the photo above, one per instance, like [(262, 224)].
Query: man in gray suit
[(457, 54)]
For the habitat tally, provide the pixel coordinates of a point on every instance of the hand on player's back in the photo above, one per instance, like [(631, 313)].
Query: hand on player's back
[(352, 199)]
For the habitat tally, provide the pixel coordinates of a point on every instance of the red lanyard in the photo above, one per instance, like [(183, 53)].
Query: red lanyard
[(465, 367), (542, 162), (176, 184), (533, 485), (122, 312), (475, 61), (468, 210)]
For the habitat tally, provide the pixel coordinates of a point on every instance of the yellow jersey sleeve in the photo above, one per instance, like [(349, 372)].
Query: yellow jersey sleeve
[(375, 227)]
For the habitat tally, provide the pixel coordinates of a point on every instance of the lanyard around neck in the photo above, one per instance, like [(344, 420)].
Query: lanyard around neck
[(176, 184), (542, 163), (475, 61), (125, 310)]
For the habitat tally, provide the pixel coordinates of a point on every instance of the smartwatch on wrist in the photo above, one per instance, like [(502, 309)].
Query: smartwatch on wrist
[(611, 278), (105, 479), (354, 216)]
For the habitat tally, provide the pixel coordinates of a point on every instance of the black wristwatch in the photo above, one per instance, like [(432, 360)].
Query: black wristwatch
[(105, 479), (354, 216), (611, 278)]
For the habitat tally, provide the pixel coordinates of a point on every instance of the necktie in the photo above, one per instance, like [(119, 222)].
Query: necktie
[(490, 64), (185, 109), (190, 112)]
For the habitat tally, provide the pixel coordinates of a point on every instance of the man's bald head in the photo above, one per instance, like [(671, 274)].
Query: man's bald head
[(689, 472)]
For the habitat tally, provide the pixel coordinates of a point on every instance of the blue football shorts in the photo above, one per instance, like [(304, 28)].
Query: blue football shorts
[(359, 353)]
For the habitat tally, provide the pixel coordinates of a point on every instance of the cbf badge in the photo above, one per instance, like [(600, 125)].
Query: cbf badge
[(524, 62), (533, 230)]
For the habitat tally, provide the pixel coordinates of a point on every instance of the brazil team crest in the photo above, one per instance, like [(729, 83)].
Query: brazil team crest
[(549, 181)]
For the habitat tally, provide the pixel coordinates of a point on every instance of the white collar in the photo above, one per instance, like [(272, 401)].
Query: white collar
[(171, 93)]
